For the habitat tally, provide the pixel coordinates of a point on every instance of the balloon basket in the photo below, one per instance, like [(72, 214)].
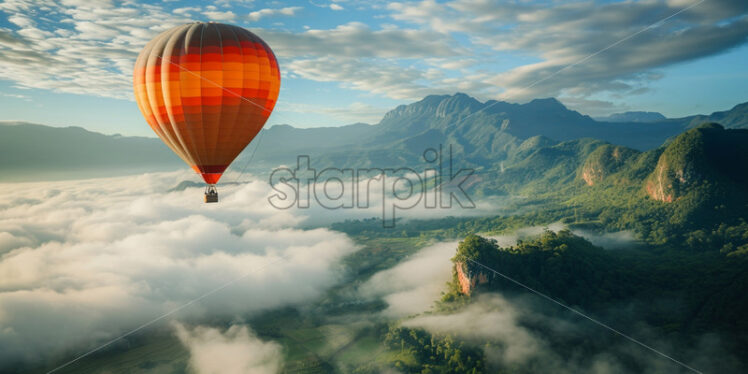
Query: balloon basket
[(211, 194)]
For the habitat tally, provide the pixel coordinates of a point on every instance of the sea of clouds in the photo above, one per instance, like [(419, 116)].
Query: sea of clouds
[(84, 261)]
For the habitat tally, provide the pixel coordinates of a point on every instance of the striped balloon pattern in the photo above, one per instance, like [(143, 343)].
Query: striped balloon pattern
[(206, 89)]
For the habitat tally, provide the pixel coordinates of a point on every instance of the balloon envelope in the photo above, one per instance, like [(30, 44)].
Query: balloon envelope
[(206, 89)]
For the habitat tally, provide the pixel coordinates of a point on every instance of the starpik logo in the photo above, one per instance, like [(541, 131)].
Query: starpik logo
[(436, 186)]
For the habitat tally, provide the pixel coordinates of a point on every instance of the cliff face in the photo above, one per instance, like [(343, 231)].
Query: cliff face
[(683, 165), (703, 175), (660, 185), (604, 161), (469, 279)]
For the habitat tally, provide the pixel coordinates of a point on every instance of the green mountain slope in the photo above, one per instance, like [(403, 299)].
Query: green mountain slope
[(481, 134)]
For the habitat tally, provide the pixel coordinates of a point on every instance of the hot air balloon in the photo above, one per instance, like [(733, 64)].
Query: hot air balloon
[(206, 89)]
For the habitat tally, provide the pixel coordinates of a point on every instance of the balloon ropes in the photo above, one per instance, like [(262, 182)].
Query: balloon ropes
[(206, 89)]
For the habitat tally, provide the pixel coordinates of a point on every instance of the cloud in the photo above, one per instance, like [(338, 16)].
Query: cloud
[(268, 12), (606, 240), (610, 240), (492, 318), (522, 332), (84, 261), (388, 79), (358, 40), (334, 6), (186, 10), (412, 286), (489, 49), (234, 351), (220, 16), (90, 50), (565, 33)]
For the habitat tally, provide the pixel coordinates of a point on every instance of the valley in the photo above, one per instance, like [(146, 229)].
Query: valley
[(668, 268)]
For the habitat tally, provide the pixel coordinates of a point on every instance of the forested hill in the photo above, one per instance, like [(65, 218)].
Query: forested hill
[(675, 193), (694, 293)]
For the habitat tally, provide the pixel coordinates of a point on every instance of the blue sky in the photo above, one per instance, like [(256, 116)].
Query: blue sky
[(69, 62)]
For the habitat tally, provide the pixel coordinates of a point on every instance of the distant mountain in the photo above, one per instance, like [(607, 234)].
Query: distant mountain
[(638, 117), (36, 152), (482, 134), (281, 143), (467, 120), (735, 118)]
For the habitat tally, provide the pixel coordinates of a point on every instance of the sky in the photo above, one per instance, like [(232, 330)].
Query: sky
[(69, 62)]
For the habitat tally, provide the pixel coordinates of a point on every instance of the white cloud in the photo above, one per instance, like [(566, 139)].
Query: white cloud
[(84, 261), (606, 240), (412, 286), (358, 40), (268, 12), (220, 16), (382, 78), (21, 20), (91, 50), (186, 10), (234, 351), (334, 6), (491, 319), (526, 332), (564, 33)]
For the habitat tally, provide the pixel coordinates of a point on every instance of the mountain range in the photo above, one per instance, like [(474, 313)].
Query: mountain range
[(482, 135), (635, 116)]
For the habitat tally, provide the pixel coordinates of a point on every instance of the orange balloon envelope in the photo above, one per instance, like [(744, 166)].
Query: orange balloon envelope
[(206, 89)]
